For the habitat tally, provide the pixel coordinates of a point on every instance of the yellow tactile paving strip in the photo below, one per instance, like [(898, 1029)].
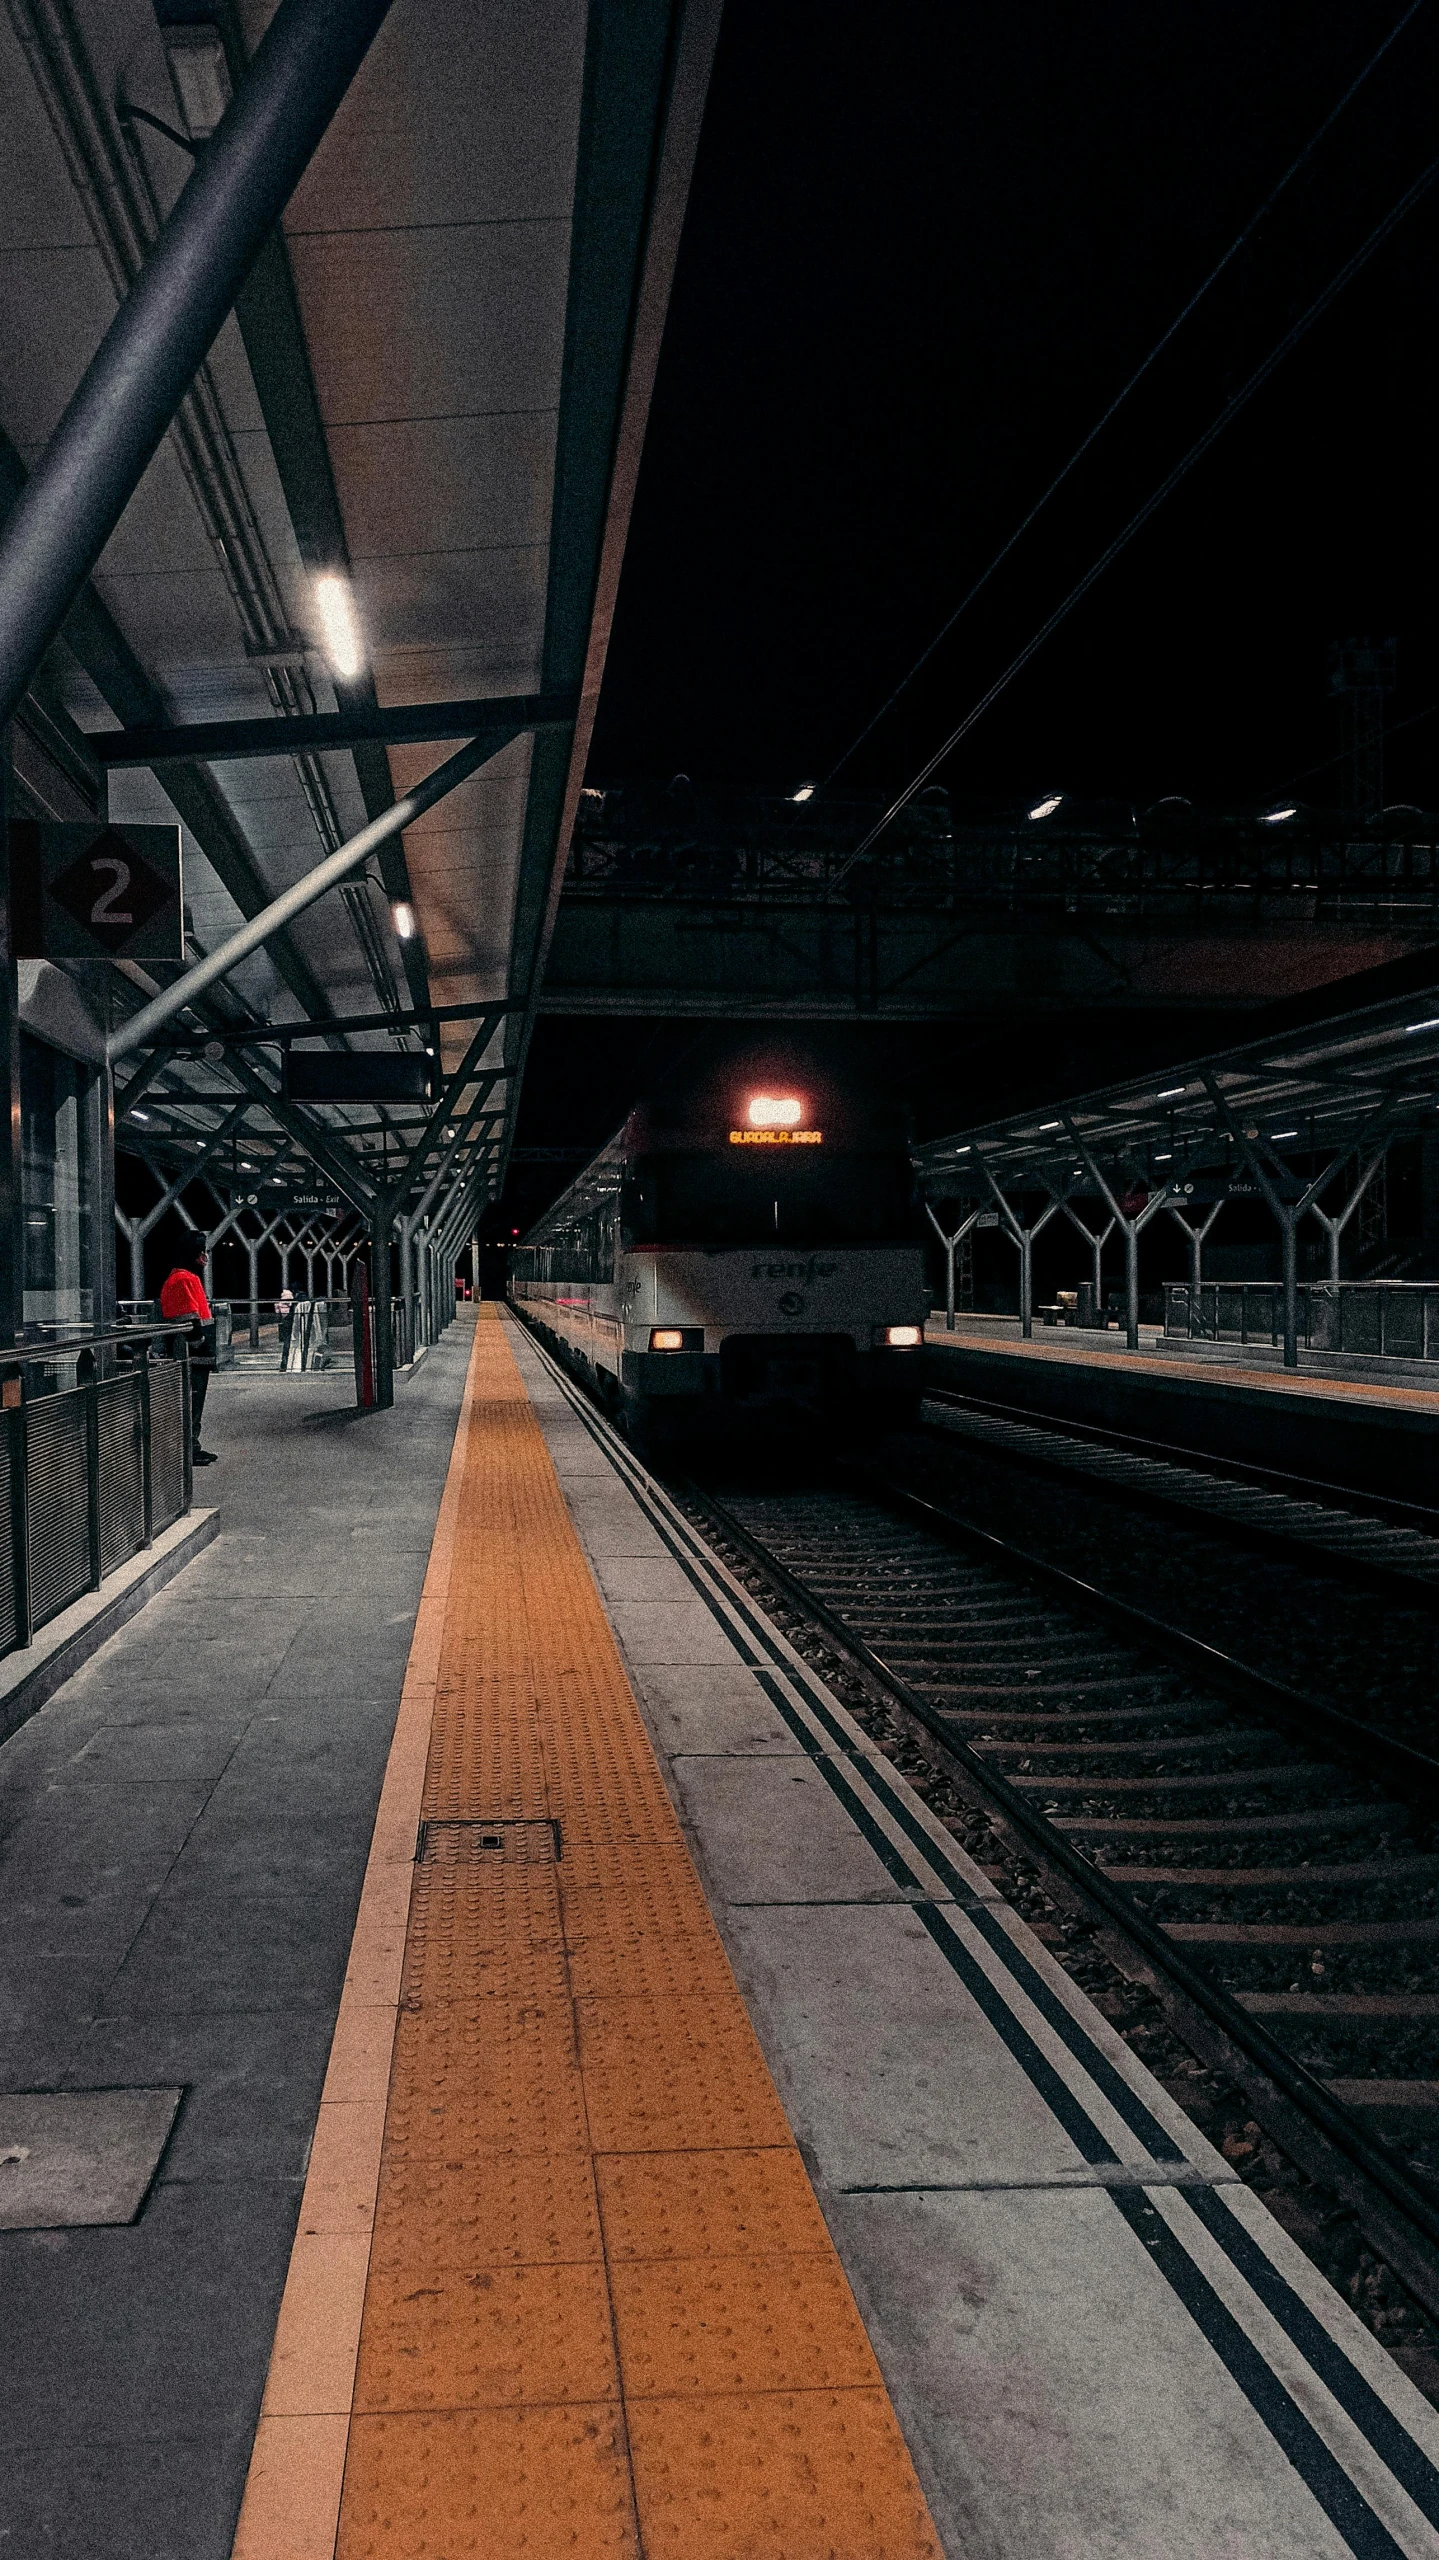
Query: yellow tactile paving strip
[(601, 2313)]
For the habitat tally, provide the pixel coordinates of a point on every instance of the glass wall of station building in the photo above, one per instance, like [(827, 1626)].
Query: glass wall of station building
[(66, 1194)]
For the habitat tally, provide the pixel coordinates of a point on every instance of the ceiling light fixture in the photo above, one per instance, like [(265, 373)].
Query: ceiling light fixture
[(1046, 808), (1272, 817), (138, 1114), (402, 916), (1169, 1093), (1282, 1133), (1049, 1124), (806, 791), (1431, 1025), (338, 625)]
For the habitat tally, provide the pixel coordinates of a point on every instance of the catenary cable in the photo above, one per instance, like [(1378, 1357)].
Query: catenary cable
[(1240, 241), (1153, 502)]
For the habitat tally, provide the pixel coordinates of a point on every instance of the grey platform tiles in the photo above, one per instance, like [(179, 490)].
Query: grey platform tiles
[(1097, 2340), (183, 1831), (79, 2158)]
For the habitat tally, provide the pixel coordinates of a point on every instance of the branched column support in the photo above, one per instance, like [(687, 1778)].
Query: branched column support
[(1096, 1243), (1195, 1238), (1130, 1227), (1287, 1213), (1334, 1227), (951, 1245), (1022, 1237)]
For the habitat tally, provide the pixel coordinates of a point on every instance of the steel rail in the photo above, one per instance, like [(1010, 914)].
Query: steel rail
[(1373, 1570), (1416, 2256), (1350, 1499)]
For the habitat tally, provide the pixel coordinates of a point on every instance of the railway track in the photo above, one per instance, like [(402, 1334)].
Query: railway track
[(1376, 1543), (1275, 1859)]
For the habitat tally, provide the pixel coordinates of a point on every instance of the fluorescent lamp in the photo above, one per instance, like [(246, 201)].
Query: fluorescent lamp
[(402, 916), (1169, 1093), (1046, 808), (1431, 1025), (1272, 817), (338, 624), (1049, 1124), (138, 1114), (1283, 1133), (806, 791), (1166, 1158)]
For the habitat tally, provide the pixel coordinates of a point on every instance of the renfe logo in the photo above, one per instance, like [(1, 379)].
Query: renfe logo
[(811, 1270)]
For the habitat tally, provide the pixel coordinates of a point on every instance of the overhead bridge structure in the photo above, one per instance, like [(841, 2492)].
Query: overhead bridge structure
[(328, 341), (749, 904)]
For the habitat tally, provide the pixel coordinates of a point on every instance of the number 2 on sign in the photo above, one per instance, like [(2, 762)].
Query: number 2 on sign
[(105, 911)]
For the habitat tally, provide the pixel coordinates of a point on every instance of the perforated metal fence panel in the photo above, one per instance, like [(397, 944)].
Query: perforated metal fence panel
[(9, 1425), (122, 1471), (58, 1504), (167, 1443)]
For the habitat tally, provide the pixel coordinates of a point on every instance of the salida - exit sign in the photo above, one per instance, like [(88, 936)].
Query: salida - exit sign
[(95, 892)]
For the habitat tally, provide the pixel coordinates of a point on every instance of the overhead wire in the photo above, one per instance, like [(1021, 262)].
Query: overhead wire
[(1239, 242), (1232, 406)]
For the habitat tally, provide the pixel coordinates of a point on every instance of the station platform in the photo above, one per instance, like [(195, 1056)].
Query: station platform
[(1368, 1432), (615, 2116)]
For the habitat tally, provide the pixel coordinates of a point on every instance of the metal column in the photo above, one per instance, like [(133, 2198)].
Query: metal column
[(384, 1312), (12, 1159)]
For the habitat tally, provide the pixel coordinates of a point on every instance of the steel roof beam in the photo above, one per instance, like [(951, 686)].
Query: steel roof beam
[(164, 328), (407, 724)]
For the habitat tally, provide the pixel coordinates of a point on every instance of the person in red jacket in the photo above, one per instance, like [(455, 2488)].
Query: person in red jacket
[(184, 1295)]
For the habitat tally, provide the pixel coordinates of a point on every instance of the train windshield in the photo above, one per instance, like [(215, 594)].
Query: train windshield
[(796, 1199)]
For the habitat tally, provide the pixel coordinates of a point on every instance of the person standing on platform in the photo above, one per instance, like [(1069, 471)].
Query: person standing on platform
[(285, 1310), (184, 1295)]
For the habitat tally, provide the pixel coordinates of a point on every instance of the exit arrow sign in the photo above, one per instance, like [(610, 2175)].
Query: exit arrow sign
[(96, 892)]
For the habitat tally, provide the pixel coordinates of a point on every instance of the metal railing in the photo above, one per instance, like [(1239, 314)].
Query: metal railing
[(94, 1463), (1378, 1319)]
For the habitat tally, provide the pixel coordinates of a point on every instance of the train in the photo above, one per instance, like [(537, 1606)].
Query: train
[(748, 1247)]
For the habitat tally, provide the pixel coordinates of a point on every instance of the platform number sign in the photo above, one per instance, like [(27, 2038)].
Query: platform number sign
[(96, 892)]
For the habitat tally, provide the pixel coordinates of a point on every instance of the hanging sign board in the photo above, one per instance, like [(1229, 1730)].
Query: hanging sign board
[(96, 892), (367, 1075)]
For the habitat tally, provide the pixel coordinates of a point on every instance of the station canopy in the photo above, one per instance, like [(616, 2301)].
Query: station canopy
[(393, 502), (1275, 1112)]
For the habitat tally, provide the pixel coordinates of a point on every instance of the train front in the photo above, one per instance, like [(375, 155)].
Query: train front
[(770, 1255)]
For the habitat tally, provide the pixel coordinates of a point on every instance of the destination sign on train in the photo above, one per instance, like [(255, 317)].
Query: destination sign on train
[(776, 1137)]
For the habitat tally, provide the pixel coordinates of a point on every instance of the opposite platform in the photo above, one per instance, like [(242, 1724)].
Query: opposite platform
[(1368, 1435)]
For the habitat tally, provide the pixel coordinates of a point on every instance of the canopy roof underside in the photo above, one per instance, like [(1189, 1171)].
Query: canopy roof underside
[(433, 388)]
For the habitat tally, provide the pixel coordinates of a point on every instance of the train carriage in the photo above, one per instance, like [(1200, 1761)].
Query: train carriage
[(747, 1246)]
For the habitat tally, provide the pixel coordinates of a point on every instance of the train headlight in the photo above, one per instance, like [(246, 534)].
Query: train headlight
[(902, 1337)]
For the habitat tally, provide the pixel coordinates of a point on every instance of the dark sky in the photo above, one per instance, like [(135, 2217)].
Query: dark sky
[(925, 248)]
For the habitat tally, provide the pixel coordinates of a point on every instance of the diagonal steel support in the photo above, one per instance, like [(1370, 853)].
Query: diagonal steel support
[(294, 901), (168, 321)]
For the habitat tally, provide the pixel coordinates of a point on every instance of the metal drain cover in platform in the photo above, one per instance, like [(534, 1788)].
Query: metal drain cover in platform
[(70, 2158)]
